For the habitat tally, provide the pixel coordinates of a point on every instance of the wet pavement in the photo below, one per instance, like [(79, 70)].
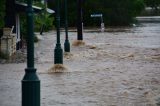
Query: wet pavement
[(123, 69)]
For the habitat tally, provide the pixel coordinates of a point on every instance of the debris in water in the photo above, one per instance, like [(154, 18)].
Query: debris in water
[(67, 55), (157, 57), (153, 57), (127, 55), (91, 46)]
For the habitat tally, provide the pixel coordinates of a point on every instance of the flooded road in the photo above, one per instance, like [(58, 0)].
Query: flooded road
[(123, 69)]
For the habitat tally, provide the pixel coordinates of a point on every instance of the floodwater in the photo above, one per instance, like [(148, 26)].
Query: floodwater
[(118, 67)]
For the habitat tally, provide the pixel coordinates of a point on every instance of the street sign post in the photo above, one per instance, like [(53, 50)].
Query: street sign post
[(102, 23)]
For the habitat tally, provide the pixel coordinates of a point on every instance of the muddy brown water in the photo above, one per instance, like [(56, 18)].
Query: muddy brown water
[(123, 69)]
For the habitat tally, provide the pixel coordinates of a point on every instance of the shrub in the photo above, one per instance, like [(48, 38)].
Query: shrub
[(43, 19), (38, 20)]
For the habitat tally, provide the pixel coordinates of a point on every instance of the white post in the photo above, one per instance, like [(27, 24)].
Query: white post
[(102, 24), (18, 39)]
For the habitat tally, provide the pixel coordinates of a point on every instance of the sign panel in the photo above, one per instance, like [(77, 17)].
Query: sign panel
[(96, 15)]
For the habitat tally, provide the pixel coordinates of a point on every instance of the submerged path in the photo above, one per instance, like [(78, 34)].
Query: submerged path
[(120, 67)]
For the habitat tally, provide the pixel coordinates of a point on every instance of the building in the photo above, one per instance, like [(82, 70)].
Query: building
[(12, 20)]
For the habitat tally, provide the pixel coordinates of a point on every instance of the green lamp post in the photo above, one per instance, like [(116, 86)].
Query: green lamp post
[(30, 81), (58, 52), (66, 43), (79, 20)]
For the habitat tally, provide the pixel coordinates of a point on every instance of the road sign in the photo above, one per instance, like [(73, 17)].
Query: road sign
[(96, 15), (101, 17)]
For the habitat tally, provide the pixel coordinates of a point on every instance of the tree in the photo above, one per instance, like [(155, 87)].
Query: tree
[(115, 12), (2, 12), (154, 4)]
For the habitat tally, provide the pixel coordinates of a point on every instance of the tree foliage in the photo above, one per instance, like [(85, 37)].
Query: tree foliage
[(39, 19), (2, 12), (115, 12), (154, 4)]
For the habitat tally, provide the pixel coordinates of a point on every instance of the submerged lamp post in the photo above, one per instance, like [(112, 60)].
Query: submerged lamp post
[(30, 81), (79, 40), (79, 20), (58, 52), (66, 43)]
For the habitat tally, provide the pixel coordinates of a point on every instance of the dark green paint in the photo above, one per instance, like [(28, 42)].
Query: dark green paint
[(58, 52), (79, 20), (30, 81), (66, 43)]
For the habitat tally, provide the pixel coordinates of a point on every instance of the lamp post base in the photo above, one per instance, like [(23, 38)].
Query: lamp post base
[(30, 88), (66, 46), (58, 54), (57, 68)]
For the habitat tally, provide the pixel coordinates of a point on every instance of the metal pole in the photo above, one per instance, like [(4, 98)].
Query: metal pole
[(58, 52), (30, 81), (102, 24), (79, 20), (44, 15), (66, 43)]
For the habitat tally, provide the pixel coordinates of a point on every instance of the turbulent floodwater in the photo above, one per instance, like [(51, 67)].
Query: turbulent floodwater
[(119, 67)]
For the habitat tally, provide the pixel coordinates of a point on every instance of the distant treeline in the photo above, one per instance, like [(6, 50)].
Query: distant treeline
[(115, 12)]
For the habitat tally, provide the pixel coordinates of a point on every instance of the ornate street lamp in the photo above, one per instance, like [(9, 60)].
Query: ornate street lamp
[(30, 81), (58, 52), (66, 43)]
